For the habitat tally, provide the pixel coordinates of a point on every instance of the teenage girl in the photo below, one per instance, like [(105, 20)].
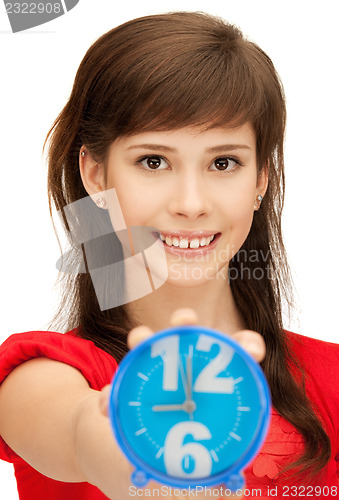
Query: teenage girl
[(183, 119)]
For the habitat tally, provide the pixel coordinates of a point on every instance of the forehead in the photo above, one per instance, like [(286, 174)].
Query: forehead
[(183, 138)]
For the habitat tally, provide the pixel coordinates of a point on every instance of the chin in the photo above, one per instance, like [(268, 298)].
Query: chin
[(190, 276)]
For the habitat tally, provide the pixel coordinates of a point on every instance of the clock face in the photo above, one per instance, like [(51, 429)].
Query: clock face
[(189, 404)]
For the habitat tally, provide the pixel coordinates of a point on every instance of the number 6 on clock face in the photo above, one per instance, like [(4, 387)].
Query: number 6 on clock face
[(175, 452), (189, 407)]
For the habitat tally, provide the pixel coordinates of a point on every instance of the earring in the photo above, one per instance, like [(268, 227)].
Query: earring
[(82, 153), (257, 202), (101, 202)]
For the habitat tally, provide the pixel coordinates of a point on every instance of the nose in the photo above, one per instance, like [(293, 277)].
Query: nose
[(190, 196)]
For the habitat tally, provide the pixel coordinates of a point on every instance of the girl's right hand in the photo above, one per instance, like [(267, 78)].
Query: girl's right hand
[(251, 341)]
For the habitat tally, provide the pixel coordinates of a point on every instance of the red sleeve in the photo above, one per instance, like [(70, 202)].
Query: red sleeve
[(96, 365)]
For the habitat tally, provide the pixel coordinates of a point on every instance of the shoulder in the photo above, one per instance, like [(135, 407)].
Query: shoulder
[(319, 361), (96, 365), (317, 354)]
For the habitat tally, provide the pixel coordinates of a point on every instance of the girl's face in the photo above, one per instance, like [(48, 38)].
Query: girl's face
[(191, 185)]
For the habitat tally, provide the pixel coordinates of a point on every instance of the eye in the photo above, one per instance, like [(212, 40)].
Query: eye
[(226, 164), (153, 162)]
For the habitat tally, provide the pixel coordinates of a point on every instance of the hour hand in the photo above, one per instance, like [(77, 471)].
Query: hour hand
[(188, 406), (171, 407)]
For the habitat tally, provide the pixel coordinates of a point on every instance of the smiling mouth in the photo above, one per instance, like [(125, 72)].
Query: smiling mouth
[(191, 243)]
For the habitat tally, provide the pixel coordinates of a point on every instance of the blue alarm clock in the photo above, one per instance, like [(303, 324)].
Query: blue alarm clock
[(189, 407)]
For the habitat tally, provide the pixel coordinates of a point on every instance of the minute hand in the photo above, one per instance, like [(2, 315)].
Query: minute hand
[(189, 374)]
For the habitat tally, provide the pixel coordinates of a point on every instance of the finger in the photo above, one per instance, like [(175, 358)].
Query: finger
[(103, 401), (183, 317), (137, 335), (252, 342), (179, 317)]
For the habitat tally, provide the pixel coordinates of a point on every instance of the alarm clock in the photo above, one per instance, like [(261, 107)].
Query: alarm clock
[(189, 407)]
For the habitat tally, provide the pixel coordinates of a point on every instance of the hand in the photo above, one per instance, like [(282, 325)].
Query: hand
[(251, 341)]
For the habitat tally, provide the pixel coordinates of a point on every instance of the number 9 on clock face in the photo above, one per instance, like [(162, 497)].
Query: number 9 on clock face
[(189, 407)]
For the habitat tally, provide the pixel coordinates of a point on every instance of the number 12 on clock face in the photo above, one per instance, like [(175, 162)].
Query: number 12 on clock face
[(189, 407)]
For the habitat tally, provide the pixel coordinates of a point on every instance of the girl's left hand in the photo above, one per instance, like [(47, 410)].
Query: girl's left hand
[(251, 341)]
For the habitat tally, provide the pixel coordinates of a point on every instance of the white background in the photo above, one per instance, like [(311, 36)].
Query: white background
[(37, 71)]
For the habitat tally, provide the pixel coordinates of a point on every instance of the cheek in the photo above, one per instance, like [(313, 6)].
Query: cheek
[(136, 206), (241, 224), (240, 217)]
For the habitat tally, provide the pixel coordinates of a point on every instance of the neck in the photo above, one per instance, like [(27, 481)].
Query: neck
[(212, 300)]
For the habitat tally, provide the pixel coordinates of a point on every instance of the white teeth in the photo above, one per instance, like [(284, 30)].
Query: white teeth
[(194, 243), (185, 243)]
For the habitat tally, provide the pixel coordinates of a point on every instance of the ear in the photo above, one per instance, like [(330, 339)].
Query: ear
[(92, 173), (262, 181)]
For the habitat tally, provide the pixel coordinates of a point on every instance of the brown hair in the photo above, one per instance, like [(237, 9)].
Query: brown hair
[(164, 72)]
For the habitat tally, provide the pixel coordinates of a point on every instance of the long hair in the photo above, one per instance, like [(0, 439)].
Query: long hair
[(164, 72)]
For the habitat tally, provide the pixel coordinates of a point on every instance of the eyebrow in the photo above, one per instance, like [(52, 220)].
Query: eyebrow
[(222, 147)]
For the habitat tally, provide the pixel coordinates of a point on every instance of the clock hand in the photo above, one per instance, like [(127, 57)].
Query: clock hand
[(189, 373), (188, 406), (183, 378), (172, 407), (189, 399)]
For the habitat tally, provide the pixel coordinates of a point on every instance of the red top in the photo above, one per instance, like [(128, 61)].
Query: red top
[(282, 445)]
